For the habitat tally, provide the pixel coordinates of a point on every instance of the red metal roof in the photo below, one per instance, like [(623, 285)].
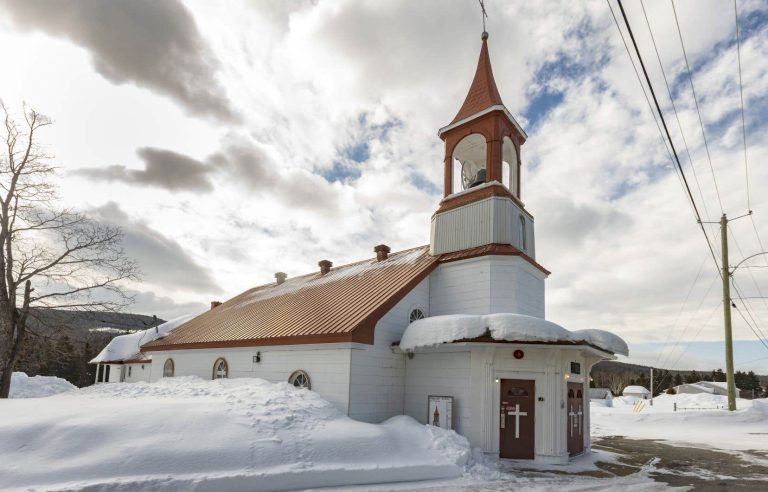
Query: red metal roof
[(340, 306), (483, 92)]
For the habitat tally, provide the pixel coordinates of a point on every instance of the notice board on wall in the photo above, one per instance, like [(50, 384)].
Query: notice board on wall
[(440, 411)]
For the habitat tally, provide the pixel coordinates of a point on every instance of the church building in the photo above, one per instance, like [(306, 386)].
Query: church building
[(451, 333)]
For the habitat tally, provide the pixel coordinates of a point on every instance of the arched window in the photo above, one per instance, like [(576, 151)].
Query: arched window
[(509, 165), (523, 238), (416, 313), (168, 368), (469, 162), (300, 379), (220, 369)]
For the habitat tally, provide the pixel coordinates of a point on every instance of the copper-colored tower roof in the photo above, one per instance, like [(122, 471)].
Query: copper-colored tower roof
[(483, 92), (342, 305)]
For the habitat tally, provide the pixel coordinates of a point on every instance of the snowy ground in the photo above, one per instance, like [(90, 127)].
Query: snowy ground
[(23, 386), (248, 434), (701, 419)]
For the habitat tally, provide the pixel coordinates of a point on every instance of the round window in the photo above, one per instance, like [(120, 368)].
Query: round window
[(416, 313), (300, 379)]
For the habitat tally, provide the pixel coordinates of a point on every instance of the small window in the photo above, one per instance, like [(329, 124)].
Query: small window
[(300, 379), (168, 368), (220, 369), (106, 373), (416, 313), (523, 238), (129, 370), (517, 392), (575, 368)]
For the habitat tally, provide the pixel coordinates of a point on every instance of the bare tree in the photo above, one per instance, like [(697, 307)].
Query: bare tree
[(50, 257)]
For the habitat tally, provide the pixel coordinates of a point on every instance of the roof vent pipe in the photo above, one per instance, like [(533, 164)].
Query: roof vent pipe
[(325, 266), (382, 252), (280, 276), (215, 304)]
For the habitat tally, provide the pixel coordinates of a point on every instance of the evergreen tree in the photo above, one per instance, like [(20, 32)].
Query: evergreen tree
[(678, 379)]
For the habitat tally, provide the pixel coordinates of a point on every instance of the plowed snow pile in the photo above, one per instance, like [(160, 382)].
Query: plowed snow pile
[(23, 386), (191, 434)]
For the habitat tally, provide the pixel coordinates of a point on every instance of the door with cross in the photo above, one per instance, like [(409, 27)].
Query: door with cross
[(516, 418), (575, 418)]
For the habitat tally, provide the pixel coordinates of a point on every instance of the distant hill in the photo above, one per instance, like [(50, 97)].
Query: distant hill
[(61, 342)]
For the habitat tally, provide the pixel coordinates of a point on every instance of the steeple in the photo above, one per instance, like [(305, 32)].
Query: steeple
[(483, 92), (482, 174)]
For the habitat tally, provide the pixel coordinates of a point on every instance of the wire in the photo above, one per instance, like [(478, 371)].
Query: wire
[(674, 108), (752, 328), (645, 93), (761, 335), (665, 360), (701, 123), (741, 95), (751, 274), (666, 130)]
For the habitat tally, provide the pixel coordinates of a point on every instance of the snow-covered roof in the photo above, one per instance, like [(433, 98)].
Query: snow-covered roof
[(635, 390), (599, 393), (698, 387), (507, 327), (128, 347)]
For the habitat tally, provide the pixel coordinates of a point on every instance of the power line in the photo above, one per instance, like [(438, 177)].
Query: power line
[(741, 95), (760, 336), (695, 101), (666, 130), (674, 108), (642, 86), (751, 328)]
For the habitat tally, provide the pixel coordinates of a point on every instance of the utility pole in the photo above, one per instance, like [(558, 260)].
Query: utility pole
[(726, 274), (651, 386)]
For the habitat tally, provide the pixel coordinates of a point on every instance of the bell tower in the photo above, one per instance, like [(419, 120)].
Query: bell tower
[(481, 203)]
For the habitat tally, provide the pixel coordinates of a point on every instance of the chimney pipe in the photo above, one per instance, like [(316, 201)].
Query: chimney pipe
[(215, 304), (325, 266), (280, 276), (382, 252)]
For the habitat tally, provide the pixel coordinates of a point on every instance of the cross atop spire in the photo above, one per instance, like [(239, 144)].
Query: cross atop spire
[(483, 92)]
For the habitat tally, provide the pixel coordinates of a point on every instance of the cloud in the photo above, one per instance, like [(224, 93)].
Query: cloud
[(164, 307), (163, 169), (162, 260), (152, 44)]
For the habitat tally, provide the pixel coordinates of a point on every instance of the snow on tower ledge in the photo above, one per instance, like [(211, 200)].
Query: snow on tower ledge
[(506, 327)]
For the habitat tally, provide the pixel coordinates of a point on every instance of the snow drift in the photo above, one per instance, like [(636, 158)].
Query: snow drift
[(23, 386), (509, 327), (234, 434), (128, 347)]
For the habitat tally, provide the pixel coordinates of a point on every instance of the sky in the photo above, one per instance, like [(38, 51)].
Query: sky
[(231, 140)]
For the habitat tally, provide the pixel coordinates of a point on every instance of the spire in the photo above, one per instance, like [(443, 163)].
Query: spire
[(483, 92)]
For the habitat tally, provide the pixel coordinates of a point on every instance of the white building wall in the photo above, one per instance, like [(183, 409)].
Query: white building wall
[(487, 284), (516, 286), (487, 221), (328, 365), (138, 372), (377, 378), (439, 374)]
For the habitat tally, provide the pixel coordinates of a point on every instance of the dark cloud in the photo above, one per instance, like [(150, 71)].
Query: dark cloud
[(149, 303), (162, 260), (163, 169), (155, 44), (241, 161)]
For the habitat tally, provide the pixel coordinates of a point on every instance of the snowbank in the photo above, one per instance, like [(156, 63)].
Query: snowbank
[(128, 347), (436, 330), (234, 434), (23, 386), (700, 419)]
